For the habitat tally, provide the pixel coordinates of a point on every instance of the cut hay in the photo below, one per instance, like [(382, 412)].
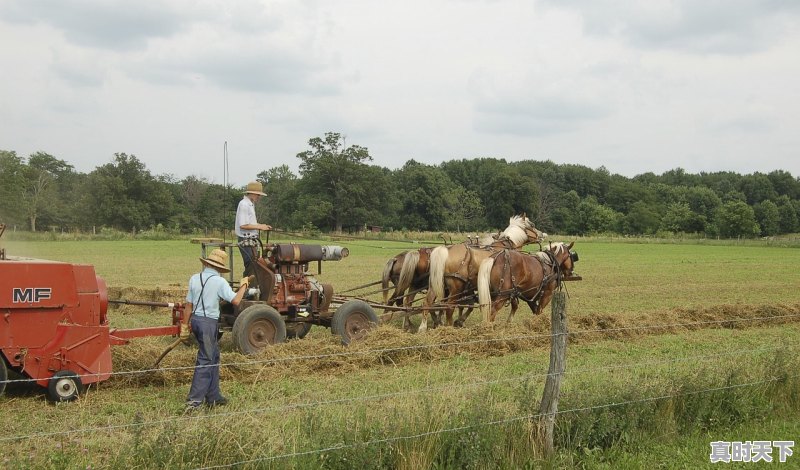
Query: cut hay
[(388, 346)]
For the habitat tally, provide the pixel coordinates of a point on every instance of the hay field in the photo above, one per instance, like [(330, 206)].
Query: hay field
[(674, 316)]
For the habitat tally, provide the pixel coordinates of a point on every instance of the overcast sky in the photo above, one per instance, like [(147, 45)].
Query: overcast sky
[(631, 85)]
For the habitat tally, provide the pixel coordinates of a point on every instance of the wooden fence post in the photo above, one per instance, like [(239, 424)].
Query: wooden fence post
[(552, 386)]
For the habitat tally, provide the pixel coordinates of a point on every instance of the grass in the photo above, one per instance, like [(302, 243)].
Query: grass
[(287, 405)]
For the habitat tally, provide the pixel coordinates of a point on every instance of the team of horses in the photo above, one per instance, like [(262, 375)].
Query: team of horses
[(491, 270)]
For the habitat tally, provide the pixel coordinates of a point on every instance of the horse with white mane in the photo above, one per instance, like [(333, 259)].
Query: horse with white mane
[(454, 269)]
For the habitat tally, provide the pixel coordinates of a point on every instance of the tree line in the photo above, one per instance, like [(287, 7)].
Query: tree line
[(338, 189)]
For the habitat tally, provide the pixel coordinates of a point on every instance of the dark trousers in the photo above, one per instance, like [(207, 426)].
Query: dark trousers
[(248, 256), (205, 382)]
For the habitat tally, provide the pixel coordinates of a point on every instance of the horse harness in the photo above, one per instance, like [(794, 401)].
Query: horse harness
[(495, 251), (548, 262)]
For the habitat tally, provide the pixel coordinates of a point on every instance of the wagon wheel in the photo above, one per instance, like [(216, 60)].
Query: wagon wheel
[(65, 385), (352, 320), (3, 374), (256, 327), (297, 330)]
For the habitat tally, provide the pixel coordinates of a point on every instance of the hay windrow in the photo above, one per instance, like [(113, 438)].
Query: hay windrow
[(388, 346)]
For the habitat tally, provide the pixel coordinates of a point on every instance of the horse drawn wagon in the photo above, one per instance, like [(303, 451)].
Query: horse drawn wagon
[(286, 299)]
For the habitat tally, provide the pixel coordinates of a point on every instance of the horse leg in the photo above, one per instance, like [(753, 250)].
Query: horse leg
[(429, 300), (514, 307), (407, 301)]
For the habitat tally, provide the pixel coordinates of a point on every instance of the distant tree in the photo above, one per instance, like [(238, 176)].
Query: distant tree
[(463, 210), (281, 187), (756, 188), (737, 219), (641, 219), (337, 174), (703, 201), (785, 184), (426, 196), (47, 182), (787, 216), (123, 194), (595, 218), (566, 218), (681, 218), (12, 184), (768, 217)]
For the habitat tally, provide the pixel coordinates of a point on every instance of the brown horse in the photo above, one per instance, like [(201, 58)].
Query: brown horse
[(454, 269), (409, 272), (512, 275)]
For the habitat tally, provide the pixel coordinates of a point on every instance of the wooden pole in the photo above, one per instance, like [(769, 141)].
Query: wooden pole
[(558, 363)]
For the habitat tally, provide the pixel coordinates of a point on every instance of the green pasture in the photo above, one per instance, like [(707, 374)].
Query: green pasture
[(638, 401), (619, 277)]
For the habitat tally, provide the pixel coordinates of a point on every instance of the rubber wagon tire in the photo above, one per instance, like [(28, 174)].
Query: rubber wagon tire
[(256, 327), (352, 320), (64, 385)]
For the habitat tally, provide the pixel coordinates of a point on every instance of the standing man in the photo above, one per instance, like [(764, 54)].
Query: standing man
[(247, 226), (206, 289)]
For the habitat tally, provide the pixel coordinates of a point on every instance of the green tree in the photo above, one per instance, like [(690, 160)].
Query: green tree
[(756, 188), (337, 174), (123, 194), (594, 218), (281, 187), (768, 217), (40, 197), (681, 218), (424, 196), (463, 210), (788, 221), (12, 176), (566, 218), (640, 219), (737, 219)]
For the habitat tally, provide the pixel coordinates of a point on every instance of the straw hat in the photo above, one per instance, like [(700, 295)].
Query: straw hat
[(218, 259), (254, 187)]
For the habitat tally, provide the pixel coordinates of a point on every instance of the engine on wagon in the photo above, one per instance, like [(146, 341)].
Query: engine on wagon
[(284, 294)]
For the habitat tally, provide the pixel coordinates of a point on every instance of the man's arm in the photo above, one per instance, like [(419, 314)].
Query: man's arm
[(255, 227), (243, 285)]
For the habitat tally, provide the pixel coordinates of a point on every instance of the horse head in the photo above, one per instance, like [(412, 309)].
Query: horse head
[(533, 234), (564, 256)]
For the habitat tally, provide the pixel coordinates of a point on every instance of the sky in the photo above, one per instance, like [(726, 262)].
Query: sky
[(628, 85)]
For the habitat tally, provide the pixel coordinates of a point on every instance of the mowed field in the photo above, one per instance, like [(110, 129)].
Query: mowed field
[(651, 324)]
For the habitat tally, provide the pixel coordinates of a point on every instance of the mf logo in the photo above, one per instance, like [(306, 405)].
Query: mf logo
[(30, 294)]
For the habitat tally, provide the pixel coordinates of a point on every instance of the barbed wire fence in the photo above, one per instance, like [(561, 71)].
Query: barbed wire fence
[(787, 346)]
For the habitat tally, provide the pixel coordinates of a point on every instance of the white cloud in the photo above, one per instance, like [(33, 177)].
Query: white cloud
[(633, 86)]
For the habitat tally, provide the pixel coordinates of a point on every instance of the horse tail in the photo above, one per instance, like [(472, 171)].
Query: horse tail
[(387, 275), (438, 261), (484, 291), (407, 272)]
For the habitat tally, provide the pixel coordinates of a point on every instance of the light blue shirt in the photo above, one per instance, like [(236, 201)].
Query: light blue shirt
[(216, 288)]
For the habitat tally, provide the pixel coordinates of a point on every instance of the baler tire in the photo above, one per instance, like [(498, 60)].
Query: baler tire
[(297, 330), (256, 327), (352, 320), (64, 385), (3, 374)]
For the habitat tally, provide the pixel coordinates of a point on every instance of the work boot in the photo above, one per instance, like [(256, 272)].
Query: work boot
[(221, 401), (191, 407)]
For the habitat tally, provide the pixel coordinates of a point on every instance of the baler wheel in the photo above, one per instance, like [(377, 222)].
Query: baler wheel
[(352, 320), (256, 327), (65, 385)]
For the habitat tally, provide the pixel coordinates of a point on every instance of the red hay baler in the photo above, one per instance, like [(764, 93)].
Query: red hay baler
[(54, 329)]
